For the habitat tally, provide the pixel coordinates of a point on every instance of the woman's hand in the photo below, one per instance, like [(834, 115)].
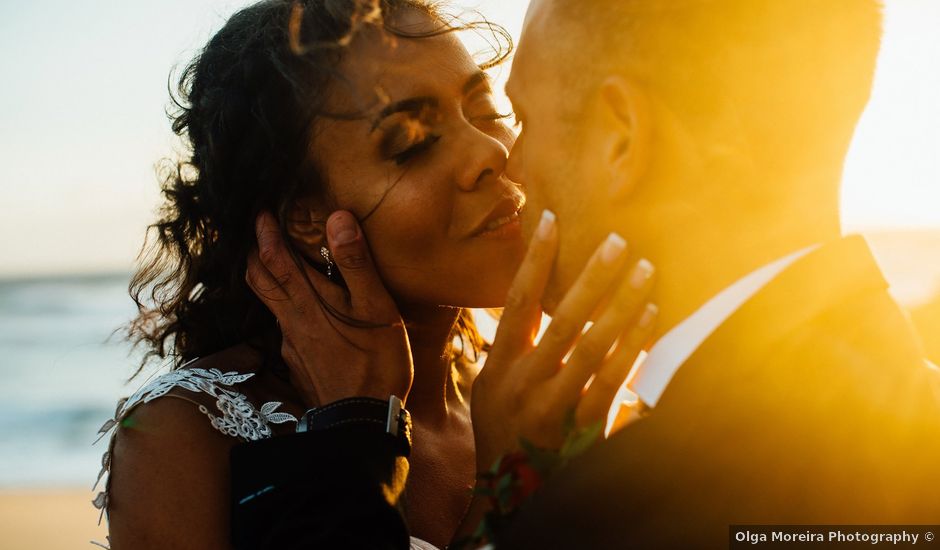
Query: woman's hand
[(330, 358), (526, 390)]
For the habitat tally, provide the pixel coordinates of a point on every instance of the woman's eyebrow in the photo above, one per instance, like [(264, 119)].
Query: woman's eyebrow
[(475, 80), (410, 105), (417, 104)]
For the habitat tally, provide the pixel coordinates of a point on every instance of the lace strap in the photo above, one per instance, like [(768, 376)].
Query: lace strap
[(235, 415)]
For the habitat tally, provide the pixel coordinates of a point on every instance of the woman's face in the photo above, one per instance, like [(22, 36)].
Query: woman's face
[(423, 169)]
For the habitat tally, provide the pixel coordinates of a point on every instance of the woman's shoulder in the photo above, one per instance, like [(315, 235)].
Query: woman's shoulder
[(166, 451), (191, 415)]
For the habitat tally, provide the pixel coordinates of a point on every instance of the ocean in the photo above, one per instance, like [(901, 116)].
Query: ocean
[(62, 374), (63, 369)]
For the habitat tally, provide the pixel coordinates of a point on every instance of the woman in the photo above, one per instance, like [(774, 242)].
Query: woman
[(306, 109)]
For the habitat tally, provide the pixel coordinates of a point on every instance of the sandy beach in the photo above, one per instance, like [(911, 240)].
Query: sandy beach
[(49, 519)]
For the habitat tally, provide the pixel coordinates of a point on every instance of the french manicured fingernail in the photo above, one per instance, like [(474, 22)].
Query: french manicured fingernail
[(649, 314), (343, 228), (612, 249), (545, 224), (641, 273)]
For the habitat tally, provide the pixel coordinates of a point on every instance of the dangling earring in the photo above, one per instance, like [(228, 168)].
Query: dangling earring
[(325, 252)]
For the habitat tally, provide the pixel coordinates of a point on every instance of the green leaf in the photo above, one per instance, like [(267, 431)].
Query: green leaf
[(544, 461), (480, 530), (504, 484), (527, 446), (494, 469), (569, 426), (581, 440)]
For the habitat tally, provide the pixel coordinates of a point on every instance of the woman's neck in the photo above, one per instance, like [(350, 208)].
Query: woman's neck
[(429, 334)]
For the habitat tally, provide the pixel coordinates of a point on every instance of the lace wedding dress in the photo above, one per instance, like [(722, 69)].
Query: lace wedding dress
[(234, 415)]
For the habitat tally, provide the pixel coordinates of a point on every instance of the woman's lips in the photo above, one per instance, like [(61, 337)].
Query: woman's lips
[(501, 217), (506, 227)]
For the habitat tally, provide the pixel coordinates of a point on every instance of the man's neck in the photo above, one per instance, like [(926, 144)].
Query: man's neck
[(691, 272), (707, 227)]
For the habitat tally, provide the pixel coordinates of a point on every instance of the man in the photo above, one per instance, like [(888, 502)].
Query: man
[(786, 387)]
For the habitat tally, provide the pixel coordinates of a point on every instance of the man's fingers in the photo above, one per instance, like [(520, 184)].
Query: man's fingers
[(272, 251), (263, 284), (522, 313), (575, 309), (279, 263), (278, 281), (622, 314), (350, 252), (596, 402)]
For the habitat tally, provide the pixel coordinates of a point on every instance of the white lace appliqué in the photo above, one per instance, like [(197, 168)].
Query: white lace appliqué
[(236, 417)]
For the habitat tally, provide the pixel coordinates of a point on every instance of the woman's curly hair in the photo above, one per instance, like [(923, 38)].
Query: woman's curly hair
[(246, 106)]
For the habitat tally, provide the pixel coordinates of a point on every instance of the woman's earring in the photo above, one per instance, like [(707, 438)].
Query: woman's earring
[(325, 252)]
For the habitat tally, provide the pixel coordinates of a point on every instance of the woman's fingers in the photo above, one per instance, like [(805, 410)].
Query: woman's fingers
[(622, 313), (596, 402), (523, 311), (367, 293), (576, 308)]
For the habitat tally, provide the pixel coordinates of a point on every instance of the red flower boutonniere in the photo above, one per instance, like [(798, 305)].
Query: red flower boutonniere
[(516, 475)]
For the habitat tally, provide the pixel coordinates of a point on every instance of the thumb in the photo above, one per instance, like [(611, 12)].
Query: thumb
[(351, 254)]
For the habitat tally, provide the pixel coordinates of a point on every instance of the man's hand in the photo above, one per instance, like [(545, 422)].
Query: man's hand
[(337, 344)]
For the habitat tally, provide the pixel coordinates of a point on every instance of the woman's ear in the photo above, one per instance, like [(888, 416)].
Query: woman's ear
[(306, 227), (628, 120)]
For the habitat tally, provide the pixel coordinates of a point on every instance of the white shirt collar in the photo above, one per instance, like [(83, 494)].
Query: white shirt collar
[(651, 376)]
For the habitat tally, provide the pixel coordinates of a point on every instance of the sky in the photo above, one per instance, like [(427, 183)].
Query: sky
[(82, 124)]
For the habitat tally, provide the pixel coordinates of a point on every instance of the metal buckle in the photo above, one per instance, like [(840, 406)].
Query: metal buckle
[(394, 412), (303, 423)]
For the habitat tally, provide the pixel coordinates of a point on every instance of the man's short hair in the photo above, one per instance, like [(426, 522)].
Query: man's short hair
[(787, 74)]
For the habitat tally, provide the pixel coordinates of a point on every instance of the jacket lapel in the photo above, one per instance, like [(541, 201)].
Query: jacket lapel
[(827, 276)]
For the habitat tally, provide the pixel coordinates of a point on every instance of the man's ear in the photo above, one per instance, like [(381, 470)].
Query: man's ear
[(306, 227), (628, 119)]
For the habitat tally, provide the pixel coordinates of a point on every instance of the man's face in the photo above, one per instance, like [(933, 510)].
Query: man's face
[(554, 157)]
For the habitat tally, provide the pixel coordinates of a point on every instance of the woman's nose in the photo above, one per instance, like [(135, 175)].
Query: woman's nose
[(485, 158)]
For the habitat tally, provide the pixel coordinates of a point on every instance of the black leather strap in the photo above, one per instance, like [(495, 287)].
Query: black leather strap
[(384, 416)]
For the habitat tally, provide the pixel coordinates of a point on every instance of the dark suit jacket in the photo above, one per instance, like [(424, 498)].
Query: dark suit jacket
[(339, 488), (812, 404)]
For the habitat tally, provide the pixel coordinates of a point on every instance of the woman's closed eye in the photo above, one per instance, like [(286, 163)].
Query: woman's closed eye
[(410, 134), (493, 117), (407, 140), (417, 149)]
